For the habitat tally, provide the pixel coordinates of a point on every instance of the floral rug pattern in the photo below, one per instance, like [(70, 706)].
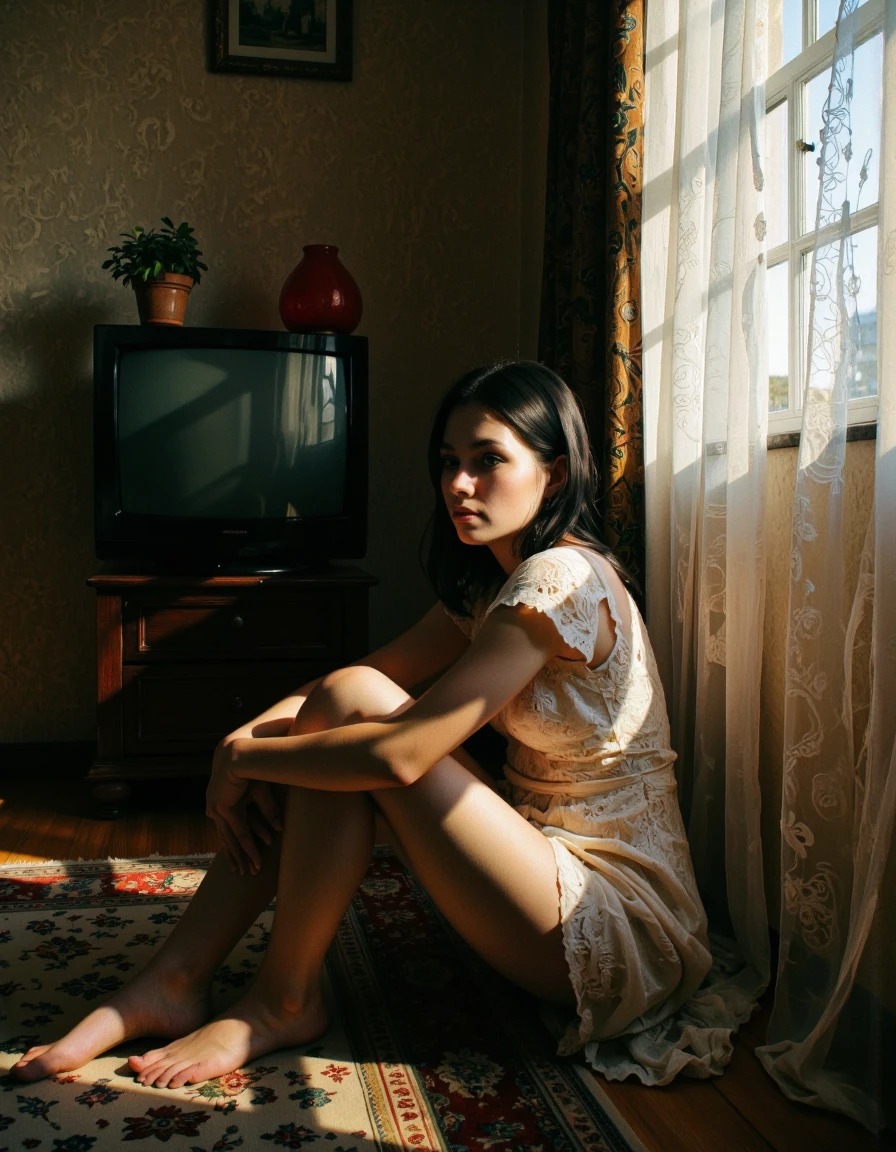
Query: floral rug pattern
[(427, 1047)]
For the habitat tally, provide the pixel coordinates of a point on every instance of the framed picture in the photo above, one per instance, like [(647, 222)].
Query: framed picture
[(307, 38)]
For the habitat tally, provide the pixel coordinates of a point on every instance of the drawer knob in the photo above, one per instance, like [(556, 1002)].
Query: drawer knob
[(236, 704), (237, 622)]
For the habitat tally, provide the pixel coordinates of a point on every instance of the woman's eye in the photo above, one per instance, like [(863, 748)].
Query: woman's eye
[(491, 459), (448, 462)]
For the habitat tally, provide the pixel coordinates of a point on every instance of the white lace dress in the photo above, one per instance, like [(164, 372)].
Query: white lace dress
[(589, 763)]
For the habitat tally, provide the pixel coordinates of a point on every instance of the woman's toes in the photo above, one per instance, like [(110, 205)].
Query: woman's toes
[(183, 1076), (152, 1061), (141, 1073), (169, 1076)]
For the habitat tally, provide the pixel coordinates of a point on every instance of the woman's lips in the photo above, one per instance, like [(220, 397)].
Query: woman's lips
[(464, 514)]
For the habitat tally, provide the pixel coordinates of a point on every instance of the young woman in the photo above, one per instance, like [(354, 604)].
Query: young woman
[(575, 882)]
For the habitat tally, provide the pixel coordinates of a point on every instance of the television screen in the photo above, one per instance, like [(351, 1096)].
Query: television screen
[(230, 433), (217, 446)]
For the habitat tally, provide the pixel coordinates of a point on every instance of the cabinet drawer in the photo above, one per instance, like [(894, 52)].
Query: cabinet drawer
[(190, 707), (241, 627)]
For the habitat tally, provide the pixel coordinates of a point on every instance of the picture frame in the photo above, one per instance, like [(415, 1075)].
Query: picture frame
[(309, 39)]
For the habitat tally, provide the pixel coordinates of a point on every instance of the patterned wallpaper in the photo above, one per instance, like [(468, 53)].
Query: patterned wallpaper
[(424, 170)]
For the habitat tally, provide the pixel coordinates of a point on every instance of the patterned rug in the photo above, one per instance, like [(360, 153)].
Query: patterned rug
[(428, 1048)]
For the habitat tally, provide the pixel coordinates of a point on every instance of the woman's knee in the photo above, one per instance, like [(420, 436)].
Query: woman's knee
[(348, 696)]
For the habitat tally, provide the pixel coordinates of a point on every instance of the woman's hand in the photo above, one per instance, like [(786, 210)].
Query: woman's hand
[(241, 809)]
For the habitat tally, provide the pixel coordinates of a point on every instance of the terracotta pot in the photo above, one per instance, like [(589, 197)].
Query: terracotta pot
[(320, 294), (163, 300)]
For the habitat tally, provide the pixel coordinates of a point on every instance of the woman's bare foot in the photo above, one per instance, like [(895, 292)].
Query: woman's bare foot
[(253, 1026), (153, 1004)]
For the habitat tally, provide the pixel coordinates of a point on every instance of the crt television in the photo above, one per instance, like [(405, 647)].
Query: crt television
[(222, 447)]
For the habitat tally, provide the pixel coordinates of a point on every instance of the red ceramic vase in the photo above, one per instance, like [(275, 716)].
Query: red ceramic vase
[(320, 294)]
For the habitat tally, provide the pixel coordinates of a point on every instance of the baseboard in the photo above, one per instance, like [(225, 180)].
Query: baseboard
[(40, 757)]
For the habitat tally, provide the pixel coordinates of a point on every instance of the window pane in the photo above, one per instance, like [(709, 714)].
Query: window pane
[(777, 295), (863, 313), (860, 302), (856, 176), (776, 175), (785, 39), (826, 14)]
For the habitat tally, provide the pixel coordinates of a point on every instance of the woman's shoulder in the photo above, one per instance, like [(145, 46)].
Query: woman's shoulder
[(568, 574), (551, 576), (568, 562)]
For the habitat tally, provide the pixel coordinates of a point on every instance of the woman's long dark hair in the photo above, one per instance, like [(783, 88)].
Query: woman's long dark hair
[(545, 415)]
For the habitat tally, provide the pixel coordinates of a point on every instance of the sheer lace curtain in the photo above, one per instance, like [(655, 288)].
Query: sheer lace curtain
[(705, 397), (705, 431)]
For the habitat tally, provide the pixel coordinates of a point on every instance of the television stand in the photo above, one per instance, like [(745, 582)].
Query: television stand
[(183, 659)]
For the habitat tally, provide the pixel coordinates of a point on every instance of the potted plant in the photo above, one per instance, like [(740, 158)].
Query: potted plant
[(163, 266)]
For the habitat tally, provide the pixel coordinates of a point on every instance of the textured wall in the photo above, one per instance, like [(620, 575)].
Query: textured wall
[(424, 170)]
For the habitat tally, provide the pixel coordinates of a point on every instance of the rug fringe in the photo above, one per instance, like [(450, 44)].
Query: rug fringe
[(155, 857)]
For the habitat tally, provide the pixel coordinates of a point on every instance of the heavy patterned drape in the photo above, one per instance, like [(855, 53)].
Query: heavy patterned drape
[(591, 295)]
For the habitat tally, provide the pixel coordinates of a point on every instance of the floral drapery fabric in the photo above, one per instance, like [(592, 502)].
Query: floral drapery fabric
[(591, 297)]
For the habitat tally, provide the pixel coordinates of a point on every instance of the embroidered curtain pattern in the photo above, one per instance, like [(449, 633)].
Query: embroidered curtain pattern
[(705, 436), (591, 298), (705, 323), (830, 1038)]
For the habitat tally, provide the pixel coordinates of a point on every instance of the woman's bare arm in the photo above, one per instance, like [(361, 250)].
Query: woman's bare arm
[(424, 650), (432, 644), (514, 644)]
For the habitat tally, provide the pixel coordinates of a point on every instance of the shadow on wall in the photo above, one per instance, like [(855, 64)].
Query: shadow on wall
[(241, 306), (46, 513), (47, 641)]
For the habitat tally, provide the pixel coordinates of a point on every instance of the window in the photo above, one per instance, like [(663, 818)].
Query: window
[(801, 53)]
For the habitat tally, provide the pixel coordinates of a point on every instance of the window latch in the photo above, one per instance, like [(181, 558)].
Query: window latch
[(804, 147)]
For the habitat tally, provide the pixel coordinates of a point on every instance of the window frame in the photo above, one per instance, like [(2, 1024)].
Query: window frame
[(788, 83)]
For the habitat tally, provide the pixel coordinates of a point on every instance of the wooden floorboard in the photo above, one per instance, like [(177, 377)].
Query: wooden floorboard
[(685, 1116), (47, 816), (51, 819)]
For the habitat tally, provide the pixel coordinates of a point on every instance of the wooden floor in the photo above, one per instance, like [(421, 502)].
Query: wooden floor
[(45, 815)]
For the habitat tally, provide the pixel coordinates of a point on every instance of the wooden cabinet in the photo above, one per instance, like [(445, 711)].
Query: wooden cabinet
[(183, 660)]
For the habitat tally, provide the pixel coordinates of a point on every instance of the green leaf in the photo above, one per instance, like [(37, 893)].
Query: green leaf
[(145, 253)]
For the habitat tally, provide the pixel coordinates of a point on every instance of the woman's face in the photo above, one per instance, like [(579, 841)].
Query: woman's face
[(492, 483)]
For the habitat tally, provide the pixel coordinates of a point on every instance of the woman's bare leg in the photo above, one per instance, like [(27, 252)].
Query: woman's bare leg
[(491, 873), (327, 843), (169, 997), (328, 840)]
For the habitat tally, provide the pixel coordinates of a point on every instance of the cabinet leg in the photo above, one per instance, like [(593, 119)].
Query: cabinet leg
[(109, 799)]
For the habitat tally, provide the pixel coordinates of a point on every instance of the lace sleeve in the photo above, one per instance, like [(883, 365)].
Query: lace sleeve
[(562, 584)]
